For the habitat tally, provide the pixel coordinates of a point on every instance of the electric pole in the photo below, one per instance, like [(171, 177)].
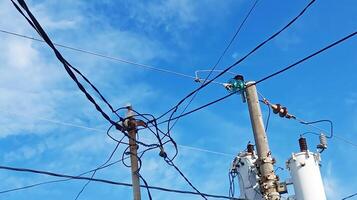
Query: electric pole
[(131, 125), (268, 180)]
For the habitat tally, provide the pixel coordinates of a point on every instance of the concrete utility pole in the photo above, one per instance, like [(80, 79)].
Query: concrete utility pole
[(132, 124), (268, 180)]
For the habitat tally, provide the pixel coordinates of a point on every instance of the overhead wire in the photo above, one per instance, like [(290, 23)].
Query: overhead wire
[(68, 67), (307, 57), (47, 173), (63, 123), (116, 59), (345, 38), (240, 60), (218, 61)]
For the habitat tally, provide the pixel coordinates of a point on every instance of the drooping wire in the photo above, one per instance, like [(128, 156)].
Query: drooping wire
[(321, 121)]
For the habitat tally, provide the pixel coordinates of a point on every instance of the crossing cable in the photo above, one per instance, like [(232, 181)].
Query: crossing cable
[(111, 182), (218, 61), (349, 36), (239, 61), (68, 67)]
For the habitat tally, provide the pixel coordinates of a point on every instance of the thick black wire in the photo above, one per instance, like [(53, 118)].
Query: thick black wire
[(240, 60), (110, 182), (219, 59), (68, 67), (270, 76)]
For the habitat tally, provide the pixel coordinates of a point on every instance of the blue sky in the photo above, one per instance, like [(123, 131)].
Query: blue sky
[(183, 36)]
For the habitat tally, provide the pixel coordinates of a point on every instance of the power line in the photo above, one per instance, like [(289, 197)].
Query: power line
[(307, 57), (219, 59), (203, 150), (116, 59), (241, 59), (272, 75), (110, 182)]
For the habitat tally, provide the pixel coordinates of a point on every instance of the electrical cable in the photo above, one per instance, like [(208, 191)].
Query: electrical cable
[(68, 67), (240, 60), (110, 182), (307, 57), (265, 78), (218, 61), (320, 121)]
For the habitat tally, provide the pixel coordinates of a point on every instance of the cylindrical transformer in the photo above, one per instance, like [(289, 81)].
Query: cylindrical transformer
[(304, 169), (247, 176)]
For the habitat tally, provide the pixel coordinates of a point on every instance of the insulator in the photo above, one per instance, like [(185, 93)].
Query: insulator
[(277, 109), (250, 148), (303, 144), (285, 111), (323, 141)]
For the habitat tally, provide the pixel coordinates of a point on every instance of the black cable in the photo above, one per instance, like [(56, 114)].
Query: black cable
[(220, 58), (110, 182), (320, 121), (274, 74), (57, 181), (146, 185), (241, 59), (350, 196)]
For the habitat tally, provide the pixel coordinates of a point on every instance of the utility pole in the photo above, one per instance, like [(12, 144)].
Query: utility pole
[(131, 125), (268, 180)]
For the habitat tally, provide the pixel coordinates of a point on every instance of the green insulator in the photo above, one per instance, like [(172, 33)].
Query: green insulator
[(236, 85)]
